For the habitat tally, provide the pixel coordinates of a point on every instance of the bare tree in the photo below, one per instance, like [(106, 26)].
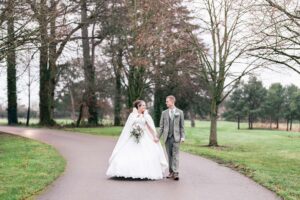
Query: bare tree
[(88, 66), (96, 16), (15, 34), (277, 26), (30, 81), (56, 30), (223, 63)]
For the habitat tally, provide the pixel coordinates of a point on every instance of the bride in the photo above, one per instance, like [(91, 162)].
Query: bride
[(138, 152)]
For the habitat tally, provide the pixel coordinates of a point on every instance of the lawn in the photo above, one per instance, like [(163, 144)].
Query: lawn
[(26, 167), (60, 121), (35, 121), (271, 158)]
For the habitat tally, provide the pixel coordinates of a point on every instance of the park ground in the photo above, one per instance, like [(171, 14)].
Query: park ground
[(271, 158), (26, 167)]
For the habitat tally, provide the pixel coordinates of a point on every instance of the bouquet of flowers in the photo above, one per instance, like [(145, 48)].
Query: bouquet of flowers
[(136, 132)]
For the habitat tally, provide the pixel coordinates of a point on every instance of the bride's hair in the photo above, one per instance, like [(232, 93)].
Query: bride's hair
[(138, 103)]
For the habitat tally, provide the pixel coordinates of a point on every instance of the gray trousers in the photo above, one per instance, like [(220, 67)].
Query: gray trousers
[(172, 149)]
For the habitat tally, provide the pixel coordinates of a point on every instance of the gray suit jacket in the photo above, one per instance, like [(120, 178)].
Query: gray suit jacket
[(178, 125)]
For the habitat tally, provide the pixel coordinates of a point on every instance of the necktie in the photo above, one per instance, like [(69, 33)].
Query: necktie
[(172, 114)]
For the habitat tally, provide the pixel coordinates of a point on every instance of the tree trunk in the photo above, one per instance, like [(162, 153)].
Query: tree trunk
[(117, 101), (291, 124), (44, 93), (271, 122), (73, 112), (73, 115), (29, 96), (52, 57), (158, 103), (287, 124), (28, 115), (118, 92), (89, 71), (52, 82), (249, 121), (80, 115), (238, 120), (213, 123), (192, 116), (12, 113), (277, 123), (45, 111)]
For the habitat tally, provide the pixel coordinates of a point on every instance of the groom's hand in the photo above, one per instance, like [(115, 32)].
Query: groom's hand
[(182, 140)]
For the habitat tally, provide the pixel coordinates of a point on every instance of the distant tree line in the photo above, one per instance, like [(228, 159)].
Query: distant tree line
[(252, 102)]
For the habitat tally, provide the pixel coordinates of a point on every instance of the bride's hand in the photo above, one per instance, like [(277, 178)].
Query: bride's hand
[(156, 139)]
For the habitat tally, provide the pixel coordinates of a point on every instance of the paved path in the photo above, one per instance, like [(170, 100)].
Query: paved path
[(84, 178)]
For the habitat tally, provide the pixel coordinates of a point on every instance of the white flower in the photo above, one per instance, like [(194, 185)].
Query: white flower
[(176, 114)]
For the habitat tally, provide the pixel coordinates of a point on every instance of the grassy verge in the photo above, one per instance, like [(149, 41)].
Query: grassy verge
[(34, 122), (26, 167), (271, 158), (108, 131)]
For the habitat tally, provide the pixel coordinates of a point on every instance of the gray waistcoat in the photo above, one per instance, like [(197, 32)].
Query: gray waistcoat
[(171, 127)]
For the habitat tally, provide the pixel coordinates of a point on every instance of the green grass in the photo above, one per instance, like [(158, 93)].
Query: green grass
[(34, 122), (108, 131), (271, 158), (26, 167)]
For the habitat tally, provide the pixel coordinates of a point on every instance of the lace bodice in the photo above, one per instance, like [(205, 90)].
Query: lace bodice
[(140, 120)]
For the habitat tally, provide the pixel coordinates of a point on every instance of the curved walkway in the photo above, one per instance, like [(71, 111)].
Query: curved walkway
[(84, 178)]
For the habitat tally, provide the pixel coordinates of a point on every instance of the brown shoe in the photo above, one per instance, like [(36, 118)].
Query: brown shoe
[(171, 175), (176, 177)]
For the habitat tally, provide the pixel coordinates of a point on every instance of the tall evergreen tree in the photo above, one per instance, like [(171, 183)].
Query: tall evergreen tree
[(255, 94), (236, 106), (274, 103), (290, 106)]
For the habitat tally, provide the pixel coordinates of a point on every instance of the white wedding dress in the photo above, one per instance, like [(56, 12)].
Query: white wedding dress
[(144, 160)]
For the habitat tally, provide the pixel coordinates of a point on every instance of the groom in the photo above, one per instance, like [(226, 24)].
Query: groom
[(172, 129)]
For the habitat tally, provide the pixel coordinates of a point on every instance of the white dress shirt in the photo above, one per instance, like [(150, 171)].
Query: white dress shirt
[(170, 112)]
